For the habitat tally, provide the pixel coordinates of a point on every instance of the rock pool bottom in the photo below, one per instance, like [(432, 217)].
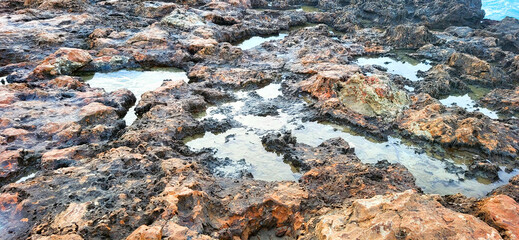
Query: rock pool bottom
[(138, 81), (436, 170)]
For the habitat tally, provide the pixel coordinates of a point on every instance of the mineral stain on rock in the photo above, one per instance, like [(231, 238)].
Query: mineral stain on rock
[(289, 120)]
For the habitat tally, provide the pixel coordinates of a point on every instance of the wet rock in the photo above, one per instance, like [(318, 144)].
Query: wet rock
[(404, 215), (436, 53), (409, 36), (428, 119), (436, 14), (278, 142), (58, 158), (476, 70), (63, 62), (507, 31), (438, 82), (334, 174), (459, 203), (461, 32), (484, 169), (501, 212), (64, 113), (9, 163), (511, 189), (503, 100)]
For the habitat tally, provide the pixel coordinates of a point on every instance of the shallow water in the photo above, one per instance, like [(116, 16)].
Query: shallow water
[(429, 165), (25, 178), (258, 40), (468, 104), (404, 68), (137, 81), (499, 9), (309, 9)]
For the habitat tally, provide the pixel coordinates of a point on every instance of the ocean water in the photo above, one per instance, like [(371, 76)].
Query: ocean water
[(499, 9)]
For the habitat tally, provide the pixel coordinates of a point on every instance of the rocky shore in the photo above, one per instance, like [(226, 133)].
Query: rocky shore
[(71, 168)]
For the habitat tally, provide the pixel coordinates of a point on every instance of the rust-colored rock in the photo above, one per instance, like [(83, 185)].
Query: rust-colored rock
[(502, 212), (406, 215), (62, 62), (146, 233)]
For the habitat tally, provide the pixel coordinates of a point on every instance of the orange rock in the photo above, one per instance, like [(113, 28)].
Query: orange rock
[(58, 157), (9, 162), (406, 215), (66, 82), (95, 112), (62, 62), (502, 212), (146, 233)]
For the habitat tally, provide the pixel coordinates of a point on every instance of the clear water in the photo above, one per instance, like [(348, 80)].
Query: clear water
[(25, 178), (405, 68), (309, 9), (429, 166), (468, 104), (258, 40), (499, 9), (137, 81)]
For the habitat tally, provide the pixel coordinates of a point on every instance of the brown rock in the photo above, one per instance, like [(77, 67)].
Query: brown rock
[(72, 218), (429, 119), (146, 233), (9, 163), (57, 158), (62, 62), (65, 82), (96, 112), (475, 69), (502, 212), (511, 189), (406, 215), (60, 237)]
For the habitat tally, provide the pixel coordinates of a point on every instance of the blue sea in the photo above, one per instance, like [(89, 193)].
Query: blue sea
[(499, 9)]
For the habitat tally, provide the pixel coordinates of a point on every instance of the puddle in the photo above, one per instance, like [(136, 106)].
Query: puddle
[(430, 171), (25, 178), (309, 9), (258, 40), (468, 104), (270, 92), (406, 68), (437, 170), (243, 143), (137, 81)]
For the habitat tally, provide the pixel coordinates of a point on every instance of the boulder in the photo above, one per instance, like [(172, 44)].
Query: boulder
[(63, 62), (406, 215), (502, 212)]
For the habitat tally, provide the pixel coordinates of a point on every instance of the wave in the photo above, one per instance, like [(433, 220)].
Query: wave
[(499, 9)]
